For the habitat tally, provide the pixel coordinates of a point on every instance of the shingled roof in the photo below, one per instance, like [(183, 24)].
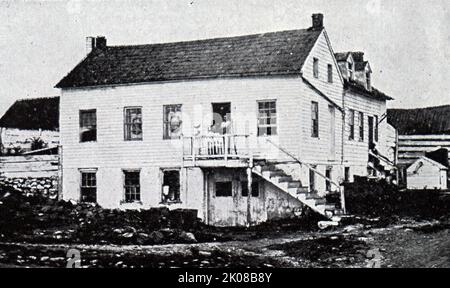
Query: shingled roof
[(33, 114), (421, 121), (275, 53), (361, 89)]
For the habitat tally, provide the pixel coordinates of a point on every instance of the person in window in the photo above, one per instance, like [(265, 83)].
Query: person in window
[(226, 125), (175, 122)]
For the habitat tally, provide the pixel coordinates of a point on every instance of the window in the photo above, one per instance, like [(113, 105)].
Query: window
[(316, 67), (312, 180), (224, 189), (376, 128), (347, 174), (350, 70), (368, 82), (315, 119), (361, 126), (255, 188), (328, 182), (330, 73), (88, 187), (172, 121), (88, 125), (171, 186), (132, 186), (133, 124), (351, 121), (267, 118)]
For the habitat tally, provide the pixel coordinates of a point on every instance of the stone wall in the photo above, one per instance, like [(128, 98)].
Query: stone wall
[(45, 186)]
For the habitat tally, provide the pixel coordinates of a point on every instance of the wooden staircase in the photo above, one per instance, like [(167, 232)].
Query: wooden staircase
[(271, 173)]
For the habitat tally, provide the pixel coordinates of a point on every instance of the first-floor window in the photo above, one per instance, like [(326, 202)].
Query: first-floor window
[(347, 174), (255, 188), (132, 186), (267, 118), (88, 187), (171, 186), (224, 189), (172, 121)]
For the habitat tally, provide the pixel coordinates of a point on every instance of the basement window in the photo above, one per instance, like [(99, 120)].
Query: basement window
[(88, 189), (132, 186), (255, 188), (224, 189), (171, 186), (88, 125), (133, 123)]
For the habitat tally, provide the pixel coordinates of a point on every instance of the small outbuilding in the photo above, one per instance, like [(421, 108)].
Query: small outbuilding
[(426, 173)]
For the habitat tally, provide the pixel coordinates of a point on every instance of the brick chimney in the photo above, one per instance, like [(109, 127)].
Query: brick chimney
[(317, 21), (95, 42)]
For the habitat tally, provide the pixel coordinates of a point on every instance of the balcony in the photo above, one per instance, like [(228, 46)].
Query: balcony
[(216, 150)]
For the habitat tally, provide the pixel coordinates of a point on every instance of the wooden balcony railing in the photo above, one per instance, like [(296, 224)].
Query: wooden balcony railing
[(216, 147)]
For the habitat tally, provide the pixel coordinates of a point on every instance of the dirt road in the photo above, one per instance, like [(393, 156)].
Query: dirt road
[(424, 244)]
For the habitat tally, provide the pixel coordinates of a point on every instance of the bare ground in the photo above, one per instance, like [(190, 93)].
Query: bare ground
[(405, 244)]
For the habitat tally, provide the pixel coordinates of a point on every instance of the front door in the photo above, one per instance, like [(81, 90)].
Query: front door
[(332, 133), (221, 118), (370, 123)]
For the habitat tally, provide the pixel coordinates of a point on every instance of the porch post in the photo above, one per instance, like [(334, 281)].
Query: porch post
[(249, 195)]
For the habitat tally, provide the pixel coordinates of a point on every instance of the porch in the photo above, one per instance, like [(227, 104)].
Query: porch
[(217, 150)]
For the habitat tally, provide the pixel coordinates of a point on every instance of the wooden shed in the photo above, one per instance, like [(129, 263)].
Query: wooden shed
[(426, 173)]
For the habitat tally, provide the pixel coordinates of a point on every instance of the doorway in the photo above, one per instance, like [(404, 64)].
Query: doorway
[(370, 123), (221, 122)]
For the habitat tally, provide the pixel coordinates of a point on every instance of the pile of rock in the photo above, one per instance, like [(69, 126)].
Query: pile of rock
[(33, 218), (44, 186)]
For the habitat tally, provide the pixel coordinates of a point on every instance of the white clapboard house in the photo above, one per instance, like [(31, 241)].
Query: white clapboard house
[(242, 129)]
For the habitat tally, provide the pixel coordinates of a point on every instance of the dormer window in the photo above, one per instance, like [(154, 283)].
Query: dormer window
[(350, 70), (368, 81)]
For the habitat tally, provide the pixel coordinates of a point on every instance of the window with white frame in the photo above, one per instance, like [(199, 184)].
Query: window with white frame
[(171, 186), (361, 126), (314, 119), (267, 118), (132, 186), (316, 68), (88, 125), (351, 123), (172, 121), (133, 123), (88, 187)]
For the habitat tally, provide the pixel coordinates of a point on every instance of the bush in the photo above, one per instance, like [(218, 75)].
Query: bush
[(377, 198)]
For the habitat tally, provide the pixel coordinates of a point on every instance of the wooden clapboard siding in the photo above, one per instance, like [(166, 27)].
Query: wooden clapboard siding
[(356, 152), (315, 150), (411, 147), (29, 166)]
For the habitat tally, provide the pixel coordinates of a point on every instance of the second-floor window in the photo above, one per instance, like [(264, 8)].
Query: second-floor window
[(330, 73), (314, 119), (172, 121), (351, 121), (376, 128), (88, 125), (316, 68), (361, 126), (133, 123), (267, 118)]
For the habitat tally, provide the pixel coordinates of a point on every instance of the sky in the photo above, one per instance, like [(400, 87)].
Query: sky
[(407, 42)]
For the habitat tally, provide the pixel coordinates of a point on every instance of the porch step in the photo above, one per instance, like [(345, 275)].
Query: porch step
[(294, 184), (285, 179), (278, 173)]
